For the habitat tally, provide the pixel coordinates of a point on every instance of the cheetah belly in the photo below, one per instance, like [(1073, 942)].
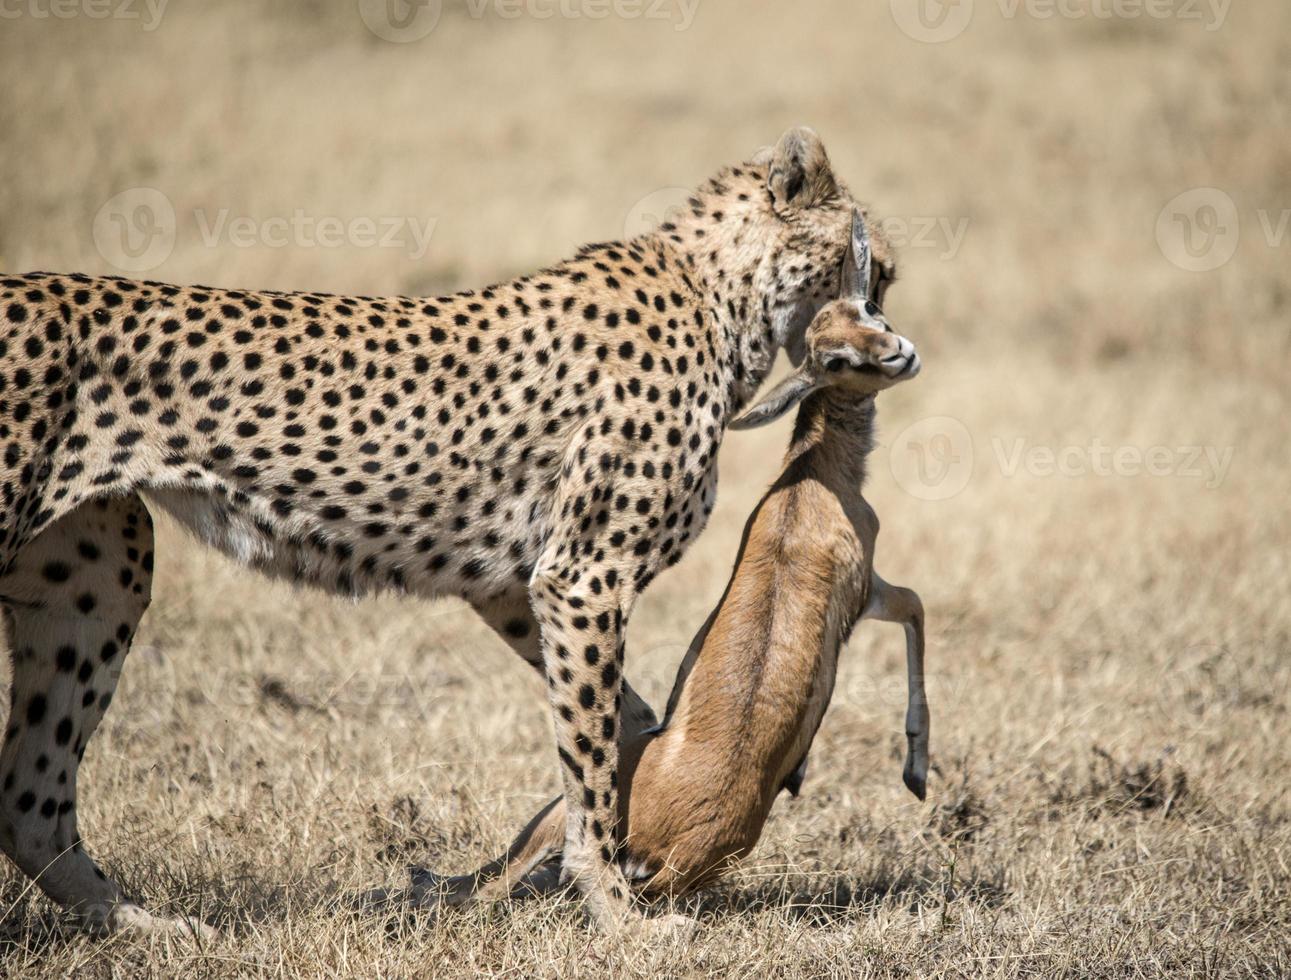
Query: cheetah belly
[(336, 563), (238, 536), (231, 532)]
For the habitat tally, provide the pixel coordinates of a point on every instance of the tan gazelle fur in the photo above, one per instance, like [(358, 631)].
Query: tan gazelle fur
[(757, 679)]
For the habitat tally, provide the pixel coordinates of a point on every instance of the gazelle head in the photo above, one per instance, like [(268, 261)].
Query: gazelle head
[(851, 348)]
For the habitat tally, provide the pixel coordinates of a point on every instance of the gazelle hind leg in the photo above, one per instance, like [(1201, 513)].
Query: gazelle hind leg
[(73, 597), (894, 604), (531, 864), (527, 863), (541, 841)]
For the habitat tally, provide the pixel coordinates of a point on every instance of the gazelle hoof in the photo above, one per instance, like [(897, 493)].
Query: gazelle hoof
[(916, 782)]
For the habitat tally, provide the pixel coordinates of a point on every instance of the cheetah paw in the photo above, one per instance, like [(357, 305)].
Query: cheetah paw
[(129, 919), (667, 928)]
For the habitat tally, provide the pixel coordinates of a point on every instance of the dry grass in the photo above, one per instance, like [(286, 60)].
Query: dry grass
[(1110, 652)]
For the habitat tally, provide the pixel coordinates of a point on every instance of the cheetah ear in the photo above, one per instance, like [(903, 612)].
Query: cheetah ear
[(778, 400), (856, 263), (800, 174)]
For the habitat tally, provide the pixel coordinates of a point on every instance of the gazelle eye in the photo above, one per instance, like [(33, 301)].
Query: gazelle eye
[(835, 364), (872, 308)]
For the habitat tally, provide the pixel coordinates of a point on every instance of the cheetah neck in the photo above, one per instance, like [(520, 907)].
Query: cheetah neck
[(741, 320), (730, 241)]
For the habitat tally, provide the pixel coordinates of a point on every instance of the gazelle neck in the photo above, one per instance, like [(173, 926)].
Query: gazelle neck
[(839, 427)]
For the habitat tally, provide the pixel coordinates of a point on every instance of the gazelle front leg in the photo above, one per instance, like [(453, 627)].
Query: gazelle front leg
[(894, 604)]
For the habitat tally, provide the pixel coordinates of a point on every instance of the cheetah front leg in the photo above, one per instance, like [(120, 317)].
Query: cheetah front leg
[(511, 617), (580, 621), (541, 842), (583, 655), (531, 862), (582, 592)]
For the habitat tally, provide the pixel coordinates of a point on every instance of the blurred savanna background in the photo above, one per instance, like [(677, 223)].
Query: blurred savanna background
[(1087, 484)]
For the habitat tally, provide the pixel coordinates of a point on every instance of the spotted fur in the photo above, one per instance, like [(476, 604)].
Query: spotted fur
[(542, 448)]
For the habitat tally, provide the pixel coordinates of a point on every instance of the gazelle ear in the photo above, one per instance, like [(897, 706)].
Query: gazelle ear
[(800, 174), (778, 400), (856, 263)]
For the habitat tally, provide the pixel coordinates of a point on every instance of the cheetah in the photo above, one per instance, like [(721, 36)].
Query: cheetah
[(754, 685), (541, 448)]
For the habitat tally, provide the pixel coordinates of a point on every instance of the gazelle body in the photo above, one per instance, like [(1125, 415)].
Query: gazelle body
[(755, 683)]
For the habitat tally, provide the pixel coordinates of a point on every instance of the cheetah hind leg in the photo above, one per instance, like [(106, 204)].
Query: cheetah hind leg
[(73, 598)]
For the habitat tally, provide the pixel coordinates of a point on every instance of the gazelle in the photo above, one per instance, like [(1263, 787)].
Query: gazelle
[(755, 683)]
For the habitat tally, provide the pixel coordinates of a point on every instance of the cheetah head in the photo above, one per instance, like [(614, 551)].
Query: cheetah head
[(771, 234), (850, 346), (810, 220)]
